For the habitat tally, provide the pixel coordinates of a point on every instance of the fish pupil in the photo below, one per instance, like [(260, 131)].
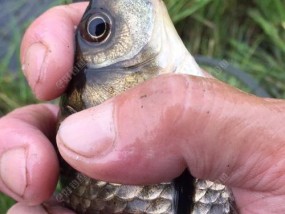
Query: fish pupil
[(98, 28)]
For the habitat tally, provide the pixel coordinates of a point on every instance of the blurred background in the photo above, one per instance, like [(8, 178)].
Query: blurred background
[(241, 42)]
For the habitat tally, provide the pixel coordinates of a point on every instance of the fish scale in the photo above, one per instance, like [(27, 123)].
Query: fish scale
[(103, 197), (128, 47)]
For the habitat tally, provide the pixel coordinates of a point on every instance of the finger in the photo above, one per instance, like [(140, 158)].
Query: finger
[(47, 50), (28, 161), (153, 132), (258, 202), (40, 209)]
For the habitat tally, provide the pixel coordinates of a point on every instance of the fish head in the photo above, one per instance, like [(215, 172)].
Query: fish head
[(115, 31), (119, 44), (131, 34)]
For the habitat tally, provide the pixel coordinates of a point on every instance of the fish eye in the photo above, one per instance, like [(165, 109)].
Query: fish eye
[(98, 28)]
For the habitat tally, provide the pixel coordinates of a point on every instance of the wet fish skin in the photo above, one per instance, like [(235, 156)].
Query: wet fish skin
[(141, 43)]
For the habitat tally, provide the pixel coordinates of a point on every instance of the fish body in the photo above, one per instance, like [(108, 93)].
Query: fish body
[(120, 44)]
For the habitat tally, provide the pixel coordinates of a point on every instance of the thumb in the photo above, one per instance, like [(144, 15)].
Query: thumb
[(151, 133)]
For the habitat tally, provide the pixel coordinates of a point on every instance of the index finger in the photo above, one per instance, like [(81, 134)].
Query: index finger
[(47, 50)]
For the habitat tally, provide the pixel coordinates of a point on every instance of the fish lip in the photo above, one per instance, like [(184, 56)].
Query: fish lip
[(125, 66), (142, 63)]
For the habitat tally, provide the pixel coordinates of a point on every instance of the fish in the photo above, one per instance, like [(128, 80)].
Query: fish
[(120, 44)]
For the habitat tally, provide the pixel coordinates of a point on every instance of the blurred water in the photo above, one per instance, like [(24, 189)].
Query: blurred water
[(15, 15)]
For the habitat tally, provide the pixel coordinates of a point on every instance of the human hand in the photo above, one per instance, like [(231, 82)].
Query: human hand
[(28, 162), (202, 124)]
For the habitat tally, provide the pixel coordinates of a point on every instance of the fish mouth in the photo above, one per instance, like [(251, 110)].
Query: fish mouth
[(173, 56), (142, 63)]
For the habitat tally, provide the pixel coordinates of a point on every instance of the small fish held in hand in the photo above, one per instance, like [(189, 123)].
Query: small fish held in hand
[(120, 44)]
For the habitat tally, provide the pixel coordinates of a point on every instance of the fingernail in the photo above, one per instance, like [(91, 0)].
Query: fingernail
[(90, 133), (13, 170), (33, 63), (25, 209)]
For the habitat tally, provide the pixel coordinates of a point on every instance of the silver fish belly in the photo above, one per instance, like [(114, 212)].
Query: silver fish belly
[(120, 44)]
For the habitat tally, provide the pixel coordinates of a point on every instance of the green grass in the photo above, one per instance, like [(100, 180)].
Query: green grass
[(248, 34), (5, 203), (14, 91)]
